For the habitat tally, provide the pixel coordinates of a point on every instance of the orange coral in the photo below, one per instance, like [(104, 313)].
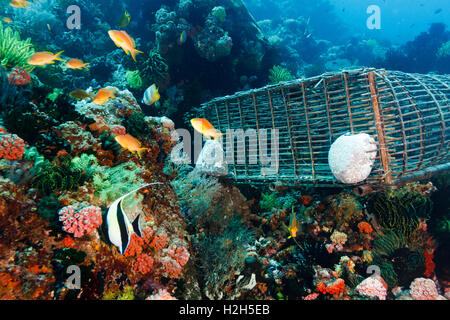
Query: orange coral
[(365, 227), (143, 264), (335, 288), (306, 200), (135, 246), (159, 241)]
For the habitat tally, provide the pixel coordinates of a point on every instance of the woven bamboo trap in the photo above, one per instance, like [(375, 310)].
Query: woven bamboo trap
[(408, 115)]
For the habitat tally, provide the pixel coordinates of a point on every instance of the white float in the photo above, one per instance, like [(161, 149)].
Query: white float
[(351, 157)]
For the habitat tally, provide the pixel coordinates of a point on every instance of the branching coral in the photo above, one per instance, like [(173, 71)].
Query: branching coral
[(14, 52)]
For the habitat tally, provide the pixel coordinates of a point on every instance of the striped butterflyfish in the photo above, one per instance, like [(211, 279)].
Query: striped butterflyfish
[(119, 226)]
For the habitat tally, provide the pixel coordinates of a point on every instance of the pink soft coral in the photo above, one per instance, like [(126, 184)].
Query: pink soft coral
[(373, 287), (423, 289), (80, 222), (12, 147), (172, 268), (162, 294)]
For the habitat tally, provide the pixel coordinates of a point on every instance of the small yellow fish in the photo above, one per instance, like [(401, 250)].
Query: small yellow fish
[(130, 143), (205, 127), (7, 20), (151, 95), (103, 95), (80, 94), (19, 3), (293, 225), (123, 40), (124, 20), (43, 58), (182, 38), (76, 64)]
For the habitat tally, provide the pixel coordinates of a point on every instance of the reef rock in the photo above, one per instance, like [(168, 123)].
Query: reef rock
[(351, 157)]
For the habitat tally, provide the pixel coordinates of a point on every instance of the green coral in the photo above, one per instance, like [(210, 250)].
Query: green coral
[(400, 210), (389, 242), (86, 163), (126, 294), (279, 74), (272, 200), (155, 69), (137, 126), (112, 183), (134, 79), (48, 208), (399, 264), (444, 50), (56, 176), (109, 143), (14, 52), (220, 13), (55, 94)]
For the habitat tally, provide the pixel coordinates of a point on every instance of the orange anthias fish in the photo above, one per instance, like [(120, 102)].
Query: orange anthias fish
[(76, 64), (103, 95), (43, 58), (123, 40), (130, 143), (205, 127), (293, 225), (7, 20), (19, 3)]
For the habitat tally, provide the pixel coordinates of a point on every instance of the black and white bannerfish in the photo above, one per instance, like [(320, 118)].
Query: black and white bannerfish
[(119, 226), (151, 95)]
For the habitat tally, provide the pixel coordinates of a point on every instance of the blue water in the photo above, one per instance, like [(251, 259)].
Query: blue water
[(401, 20)]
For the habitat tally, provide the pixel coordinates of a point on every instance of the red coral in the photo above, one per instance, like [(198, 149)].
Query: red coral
[(181, 255), (335, 288), (143, 263), (159, 241), (118, 130), (12, 147), (135, 246), (365, 227), (429, 264), (19, 77), (81, 222)]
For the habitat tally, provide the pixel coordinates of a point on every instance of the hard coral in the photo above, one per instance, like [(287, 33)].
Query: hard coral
[(80, 222), (11, 147)]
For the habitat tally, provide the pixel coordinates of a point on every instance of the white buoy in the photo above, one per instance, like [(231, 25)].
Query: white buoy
[(351, 157)]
